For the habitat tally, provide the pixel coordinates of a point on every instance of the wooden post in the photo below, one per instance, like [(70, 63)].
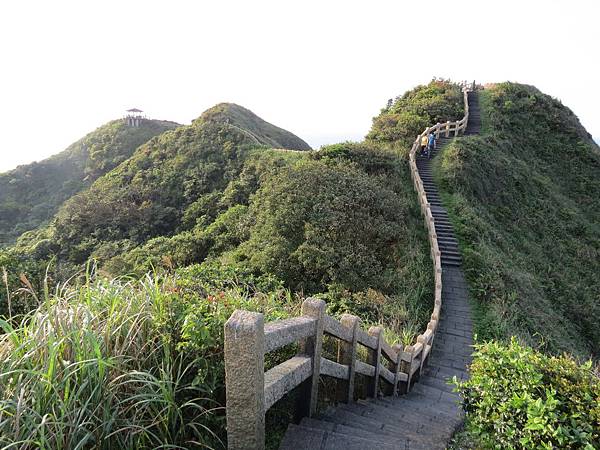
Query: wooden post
[(244, 380), (374, 358), (407, 366), (312, 346), (423, 341), (398, 349), (347, 356)]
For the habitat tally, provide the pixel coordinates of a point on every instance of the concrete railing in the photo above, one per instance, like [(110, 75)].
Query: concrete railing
[(251, 391), (389, 369)]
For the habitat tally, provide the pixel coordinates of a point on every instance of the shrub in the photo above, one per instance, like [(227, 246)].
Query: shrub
[(519, 398), (409, 114)]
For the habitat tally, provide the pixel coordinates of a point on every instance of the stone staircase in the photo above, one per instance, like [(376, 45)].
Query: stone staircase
[(427, 416)]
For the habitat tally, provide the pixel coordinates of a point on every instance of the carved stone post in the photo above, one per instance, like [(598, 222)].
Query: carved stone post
[(347, 356), (374, 358), (244, 380), (312, 346), (398, 367), (448, 128), (406, 366)]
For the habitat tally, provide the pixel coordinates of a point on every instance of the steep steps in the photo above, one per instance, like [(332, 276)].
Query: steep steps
[(426, 417)]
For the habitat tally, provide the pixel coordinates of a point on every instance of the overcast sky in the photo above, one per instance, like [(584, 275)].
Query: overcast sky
[(321, 69)]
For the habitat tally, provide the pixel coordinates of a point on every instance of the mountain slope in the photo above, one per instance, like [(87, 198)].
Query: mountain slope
[(148, 194), (257, 129), (31, 194), (525, 199)]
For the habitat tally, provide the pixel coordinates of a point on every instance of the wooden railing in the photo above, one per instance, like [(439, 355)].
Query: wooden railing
[(389, 369)]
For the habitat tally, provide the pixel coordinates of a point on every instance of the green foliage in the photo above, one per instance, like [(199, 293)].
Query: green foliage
[(525, 201), (518, 398), (322, 222), (167, 185), (100, 360), (408, 115), (31, 194)]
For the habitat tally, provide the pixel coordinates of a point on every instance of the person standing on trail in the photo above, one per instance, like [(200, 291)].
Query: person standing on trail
[(430, 144), (423, 145)]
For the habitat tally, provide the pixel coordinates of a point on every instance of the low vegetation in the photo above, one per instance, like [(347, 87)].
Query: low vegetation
[(126, 364), (519, 398), (30, 195), (408, 115), (525, 201)]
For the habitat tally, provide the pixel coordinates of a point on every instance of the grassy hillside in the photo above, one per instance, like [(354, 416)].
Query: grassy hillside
[(31, 194), (525, 200), (262, 132)]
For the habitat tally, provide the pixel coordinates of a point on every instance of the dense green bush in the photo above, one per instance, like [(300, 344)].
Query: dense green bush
[(518, 398), (408, 115), (318, 223)]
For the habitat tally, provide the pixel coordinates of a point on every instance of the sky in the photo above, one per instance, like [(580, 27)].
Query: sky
[(321, 69)]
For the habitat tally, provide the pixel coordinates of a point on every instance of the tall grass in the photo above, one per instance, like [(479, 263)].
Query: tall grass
[(120, 365)]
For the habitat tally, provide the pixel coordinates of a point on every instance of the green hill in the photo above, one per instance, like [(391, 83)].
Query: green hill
[(31, 194), (525, 200), (258, 130), (160, 188)]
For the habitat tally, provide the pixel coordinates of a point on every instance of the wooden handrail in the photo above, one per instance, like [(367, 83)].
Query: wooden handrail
[(251, 392)]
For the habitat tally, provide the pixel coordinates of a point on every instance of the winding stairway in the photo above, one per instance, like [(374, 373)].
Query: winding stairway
[(427, 416)]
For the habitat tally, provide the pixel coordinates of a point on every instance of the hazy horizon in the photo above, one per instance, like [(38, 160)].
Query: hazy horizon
[(319, 70)]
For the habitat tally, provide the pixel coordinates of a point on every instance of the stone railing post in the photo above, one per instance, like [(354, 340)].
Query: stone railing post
[(448, 128), (374, 358), (312, 346), (398, 349), (347, 356), (406, 367), (244, 380), (437, 132)]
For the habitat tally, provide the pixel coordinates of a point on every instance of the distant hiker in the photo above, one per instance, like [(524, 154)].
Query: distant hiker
[(430, 144), (423, 144)]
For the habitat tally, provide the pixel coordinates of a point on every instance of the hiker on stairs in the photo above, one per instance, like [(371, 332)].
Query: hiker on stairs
[(424, 141), (430, 144)]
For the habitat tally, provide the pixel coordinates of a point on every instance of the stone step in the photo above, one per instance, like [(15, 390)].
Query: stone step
[(297, 437), (349, 431), (301, 437), (451, 263), (447, 243), (424, 416), (348, 418), (412, 431)]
